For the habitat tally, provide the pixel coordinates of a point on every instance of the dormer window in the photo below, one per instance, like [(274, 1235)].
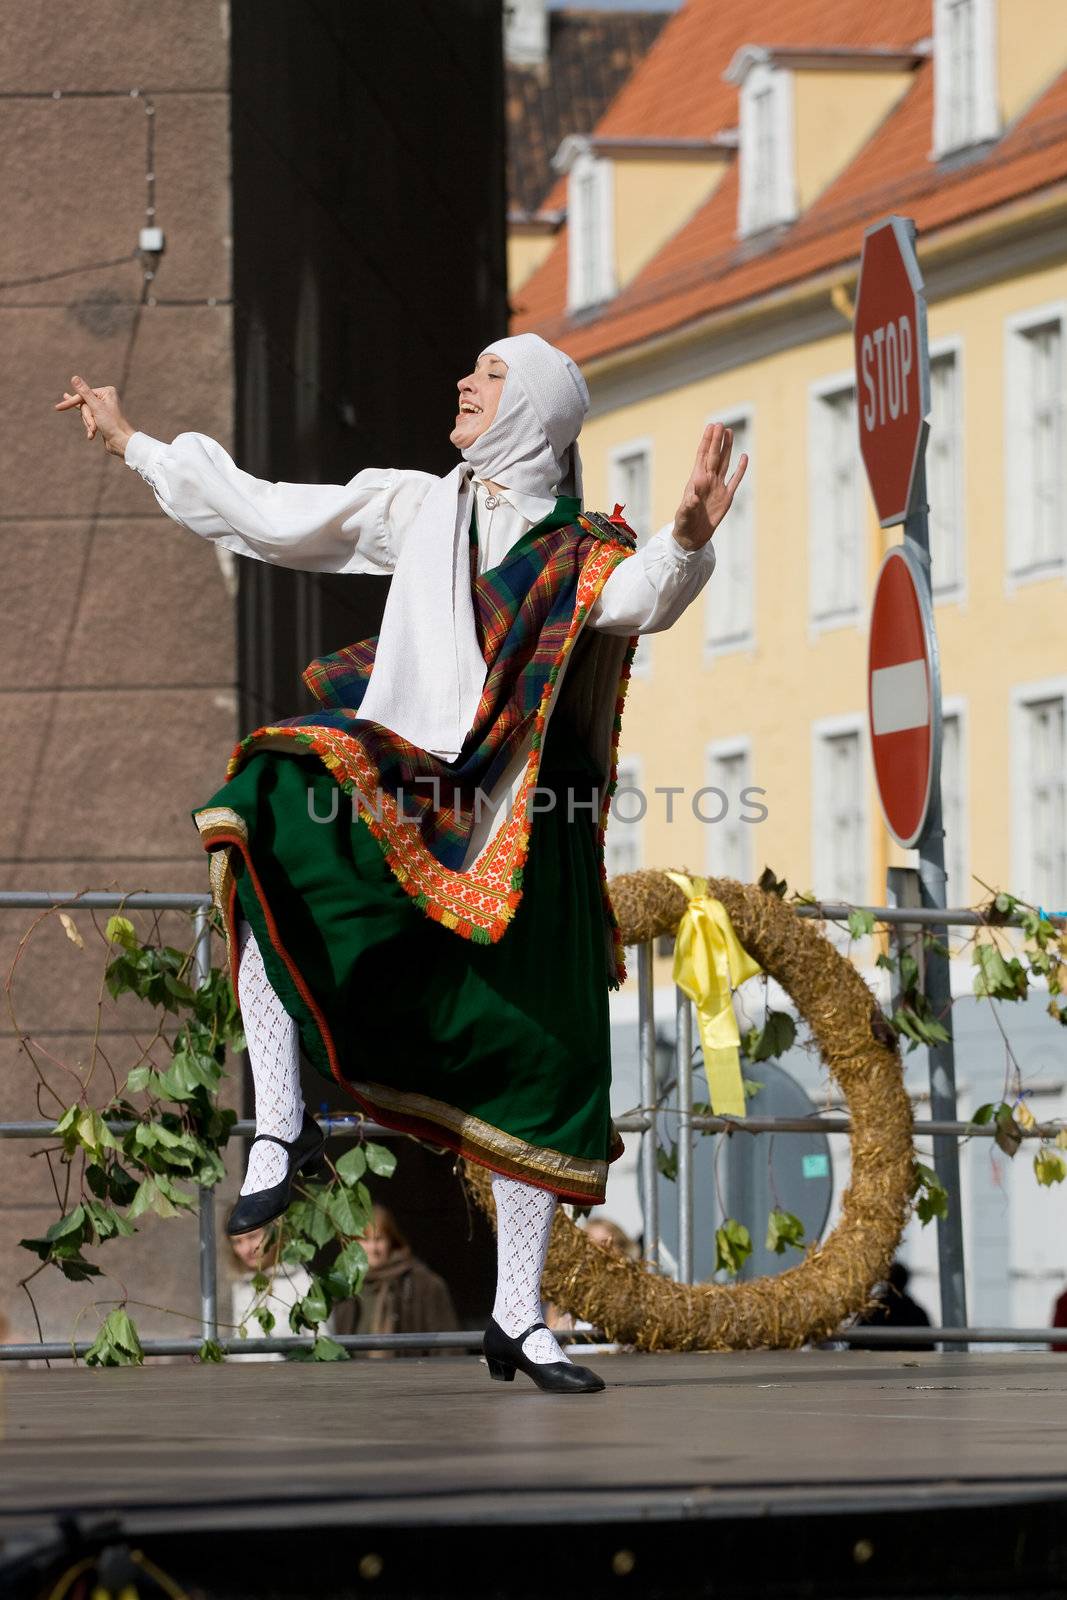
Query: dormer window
[(965, 99), (768, 186), (590, 230)]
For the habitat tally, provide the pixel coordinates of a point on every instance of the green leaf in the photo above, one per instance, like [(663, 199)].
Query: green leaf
[(352, 1165), (784, 1230), (777, 1035), (931, 1197), (983, 1115), (1050, 1166), (381, 1161), (996, 978), (860, 923), (667, 1161), (265, 1317), (349, 1268), (345, 1213), (733, 1246), (75, 1267), (152, 1197), (312, 1309), (120, 930), (304, 1217), (327, 1349), (298, 1251), (107, 1222), (117, 1343), (211, 1351), (73, 1222), (1009, 1135), (770, 883)]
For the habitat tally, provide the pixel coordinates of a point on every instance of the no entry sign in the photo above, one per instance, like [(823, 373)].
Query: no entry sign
[(904, 698), (892, 365)]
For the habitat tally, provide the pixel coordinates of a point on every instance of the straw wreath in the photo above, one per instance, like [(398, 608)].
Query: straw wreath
[(635, 1305)]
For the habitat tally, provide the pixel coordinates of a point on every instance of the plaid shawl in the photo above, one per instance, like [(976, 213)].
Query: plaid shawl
[(530, 609), (523, 610)]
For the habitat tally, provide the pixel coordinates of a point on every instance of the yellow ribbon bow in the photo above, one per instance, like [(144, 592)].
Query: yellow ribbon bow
[(708, 958)]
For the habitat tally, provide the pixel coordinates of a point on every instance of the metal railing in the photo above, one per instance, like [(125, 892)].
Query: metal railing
[(644, 1119)]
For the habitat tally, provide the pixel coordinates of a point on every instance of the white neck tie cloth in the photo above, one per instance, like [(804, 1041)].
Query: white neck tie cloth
[(429, 670)]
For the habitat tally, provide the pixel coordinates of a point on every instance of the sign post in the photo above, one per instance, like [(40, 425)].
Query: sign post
[(904, 668)]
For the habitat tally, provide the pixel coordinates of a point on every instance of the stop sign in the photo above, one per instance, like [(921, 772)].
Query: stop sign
[(892, 365), (904, 695)]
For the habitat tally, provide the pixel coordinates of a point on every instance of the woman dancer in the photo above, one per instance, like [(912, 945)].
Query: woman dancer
[(412, 876)]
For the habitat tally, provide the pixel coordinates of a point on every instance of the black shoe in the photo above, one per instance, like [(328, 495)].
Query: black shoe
[(505, 1356), (305, 1154)]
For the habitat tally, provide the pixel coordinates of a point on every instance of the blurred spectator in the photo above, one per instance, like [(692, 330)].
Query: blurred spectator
[(609, 1236), (256, 1252), (400, 1294), (1059, 1318), (895, 1309)]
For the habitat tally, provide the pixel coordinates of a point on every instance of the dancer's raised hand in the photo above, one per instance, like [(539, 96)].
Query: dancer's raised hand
[(101, 413), (709, 492)]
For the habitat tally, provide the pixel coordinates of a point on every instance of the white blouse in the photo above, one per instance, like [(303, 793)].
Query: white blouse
[(357, 527)]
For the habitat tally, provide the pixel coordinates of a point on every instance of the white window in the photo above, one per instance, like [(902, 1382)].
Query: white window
[(630, 485), (729, 604), (944, 475), (965, 96), (768, 180), (839, 832), (836, 513), (958, 890), (729, 852), (1039, 766), (624, 835), (590, 231), (1036, 437)]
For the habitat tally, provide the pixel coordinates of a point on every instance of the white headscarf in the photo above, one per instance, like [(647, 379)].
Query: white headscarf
[(429, 670), (531, 444)]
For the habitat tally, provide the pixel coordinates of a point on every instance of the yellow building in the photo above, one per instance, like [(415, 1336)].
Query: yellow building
[(699, 257)]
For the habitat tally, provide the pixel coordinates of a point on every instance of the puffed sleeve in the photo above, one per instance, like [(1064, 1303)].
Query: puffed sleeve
[(354, 527), (648, 591)]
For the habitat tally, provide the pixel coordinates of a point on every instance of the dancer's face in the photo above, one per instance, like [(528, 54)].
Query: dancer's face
[(479, 396)]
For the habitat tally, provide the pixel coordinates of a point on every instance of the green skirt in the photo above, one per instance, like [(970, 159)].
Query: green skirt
[(501, 1051)]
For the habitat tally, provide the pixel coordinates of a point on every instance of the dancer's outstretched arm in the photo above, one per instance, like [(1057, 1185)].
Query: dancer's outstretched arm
[(312, 527)]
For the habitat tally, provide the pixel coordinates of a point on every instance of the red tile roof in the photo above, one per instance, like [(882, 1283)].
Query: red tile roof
[(591, 54), (705, 268)]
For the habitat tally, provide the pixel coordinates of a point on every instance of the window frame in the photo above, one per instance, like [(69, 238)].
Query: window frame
[(600, 169), (824, 622), (1024, 695), (720, 750), (641, 665), (956, 705), (713, 648), (1017, 536), (636, 764), (761, 76), (952, 345), (987, 124), (823, 728)]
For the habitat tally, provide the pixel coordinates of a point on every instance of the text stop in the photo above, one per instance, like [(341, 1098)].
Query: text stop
[(887, 355)]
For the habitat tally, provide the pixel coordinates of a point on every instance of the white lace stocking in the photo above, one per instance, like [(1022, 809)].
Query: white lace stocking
[(524, 1215), (273, 1051)]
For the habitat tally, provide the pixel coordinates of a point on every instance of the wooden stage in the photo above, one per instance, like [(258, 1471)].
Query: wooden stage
[(772, 1472)]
